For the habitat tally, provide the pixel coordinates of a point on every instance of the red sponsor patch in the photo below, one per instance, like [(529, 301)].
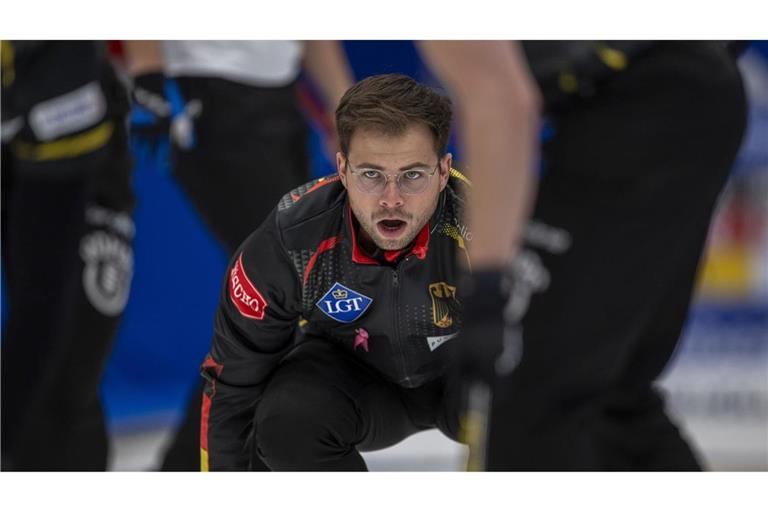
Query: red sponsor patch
[(243, 294)]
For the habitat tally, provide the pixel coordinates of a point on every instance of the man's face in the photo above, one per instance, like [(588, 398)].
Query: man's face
[(391, 217)]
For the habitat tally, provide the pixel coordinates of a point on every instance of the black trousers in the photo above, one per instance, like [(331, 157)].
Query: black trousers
[(251, 150), (604, 280), (321, 407), (68, 262)]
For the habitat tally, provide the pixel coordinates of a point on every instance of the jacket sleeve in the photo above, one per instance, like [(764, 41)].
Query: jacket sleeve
[(253, 329)]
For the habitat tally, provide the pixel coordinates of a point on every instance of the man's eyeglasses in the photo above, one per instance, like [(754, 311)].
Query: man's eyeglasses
[(410, 182)]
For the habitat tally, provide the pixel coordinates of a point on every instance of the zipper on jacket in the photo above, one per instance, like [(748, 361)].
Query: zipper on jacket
[(396, 330)]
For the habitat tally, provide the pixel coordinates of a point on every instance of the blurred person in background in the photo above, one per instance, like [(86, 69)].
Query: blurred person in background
[(238, 139), (582, 281), (67, 249)]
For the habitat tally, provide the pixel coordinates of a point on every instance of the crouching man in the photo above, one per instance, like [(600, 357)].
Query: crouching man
[(335, 324)]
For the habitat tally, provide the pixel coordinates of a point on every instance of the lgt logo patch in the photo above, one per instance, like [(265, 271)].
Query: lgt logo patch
[(343, 304)]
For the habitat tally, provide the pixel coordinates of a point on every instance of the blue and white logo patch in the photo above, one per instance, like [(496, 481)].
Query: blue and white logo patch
[(342, 304)]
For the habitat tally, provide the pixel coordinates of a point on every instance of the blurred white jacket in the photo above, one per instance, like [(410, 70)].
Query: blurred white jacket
[(257, 63)]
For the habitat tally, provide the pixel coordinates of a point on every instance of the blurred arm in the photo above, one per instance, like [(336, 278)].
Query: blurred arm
[(143, 57), (498, 105), (326, 63)]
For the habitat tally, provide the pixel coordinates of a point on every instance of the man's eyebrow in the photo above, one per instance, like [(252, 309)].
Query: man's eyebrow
[(413, 166), (366, 165)]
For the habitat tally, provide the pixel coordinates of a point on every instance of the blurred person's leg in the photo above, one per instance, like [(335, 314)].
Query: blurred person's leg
[(69, 264), (251, 149), (631, 180), (41, 224)]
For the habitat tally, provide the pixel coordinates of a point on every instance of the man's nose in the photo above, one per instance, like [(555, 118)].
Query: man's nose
[(391, 196)]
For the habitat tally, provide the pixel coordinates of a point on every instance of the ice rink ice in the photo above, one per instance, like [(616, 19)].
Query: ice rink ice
[(425, 451)]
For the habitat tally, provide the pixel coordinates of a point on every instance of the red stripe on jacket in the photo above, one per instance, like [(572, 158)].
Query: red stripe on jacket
[(206, 409), (325, 245)]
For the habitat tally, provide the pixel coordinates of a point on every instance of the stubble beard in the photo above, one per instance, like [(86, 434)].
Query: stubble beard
[(415, 224)]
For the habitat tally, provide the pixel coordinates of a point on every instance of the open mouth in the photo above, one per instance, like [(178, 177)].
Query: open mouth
[(391, 227)]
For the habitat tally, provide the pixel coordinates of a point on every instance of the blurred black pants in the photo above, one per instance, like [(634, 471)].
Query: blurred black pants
[(251, 150), (604, 280)]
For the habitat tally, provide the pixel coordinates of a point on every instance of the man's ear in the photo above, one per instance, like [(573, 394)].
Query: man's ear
[(445, 169), (341, 167)]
